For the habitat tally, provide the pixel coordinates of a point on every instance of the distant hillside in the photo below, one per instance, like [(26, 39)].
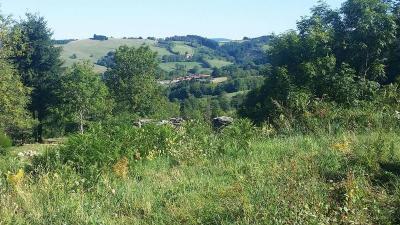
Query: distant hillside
[(221, 39), (178, 53), (93, 50)]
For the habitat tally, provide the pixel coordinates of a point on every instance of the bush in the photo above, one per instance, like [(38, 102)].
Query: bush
[(100, 148), (5, 142), (237, 138)]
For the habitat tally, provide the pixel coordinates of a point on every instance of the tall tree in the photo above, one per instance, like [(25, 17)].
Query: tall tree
[(83, 96), (14, 96), (370, 31), (132, 80), (39, 65), (339, 55)]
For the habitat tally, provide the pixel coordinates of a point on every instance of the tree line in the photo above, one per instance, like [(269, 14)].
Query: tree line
[(345, 57), (40, 97)]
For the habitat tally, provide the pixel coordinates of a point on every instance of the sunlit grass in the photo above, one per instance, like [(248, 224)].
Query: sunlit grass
[(341, 179)]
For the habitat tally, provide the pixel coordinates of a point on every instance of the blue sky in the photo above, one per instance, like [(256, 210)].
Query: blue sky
[(161, 18)]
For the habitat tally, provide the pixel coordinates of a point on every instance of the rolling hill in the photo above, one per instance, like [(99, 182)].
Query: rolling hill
[(205, 53), (93, 50)]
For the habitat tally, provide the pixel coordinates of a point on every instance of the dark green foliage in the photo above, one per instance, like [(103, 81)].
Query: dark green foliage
[(99, 37), (14, 96), (63, 42), (337, 57), (195, 40), (39, 66), (248, 52), (132, 81), (108, 60), (83, 97)]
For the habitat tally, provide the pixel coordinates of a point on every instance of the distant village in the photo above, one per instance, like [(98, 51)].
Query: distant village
[(190, 77), (194, 77)]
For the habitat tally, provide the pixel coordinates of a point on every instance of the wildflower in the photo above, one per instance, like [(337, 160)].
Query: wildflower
[(137, 156), (151, 155), (343, 147), (121, 168), (16, 179)]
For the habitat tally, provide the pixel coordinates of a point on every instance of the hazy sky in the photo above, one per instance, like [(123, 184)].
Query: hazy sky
[(161, 18)]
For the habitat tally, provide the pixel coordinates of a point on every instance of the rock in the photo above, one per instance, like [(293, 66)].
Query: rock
[(143, 122), (177, 122), (28, 154), (163, 122), (222, 121)]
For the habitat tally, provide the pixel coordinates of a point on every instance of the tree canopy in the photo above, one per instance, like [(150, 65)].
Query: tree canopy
[(132, 80), (336, 55), (83, 96), (39, 65)]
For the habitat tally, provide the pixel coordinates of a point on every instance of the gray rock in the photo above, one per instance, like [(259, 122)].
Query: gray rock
[(176, 122), (143, 122), (222, 121)]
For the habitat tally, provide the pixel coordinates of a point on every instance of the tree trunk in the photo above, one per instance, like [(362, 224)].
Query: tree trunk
[(38, 130), (81, 129)]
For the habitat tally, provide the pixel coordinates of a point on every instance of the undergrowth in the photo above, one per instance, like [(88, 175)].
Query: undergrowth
[(197, 175)]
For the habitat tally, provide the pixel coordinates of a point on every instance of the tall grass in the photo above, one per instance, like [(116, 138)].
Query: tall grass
[(194, 175)]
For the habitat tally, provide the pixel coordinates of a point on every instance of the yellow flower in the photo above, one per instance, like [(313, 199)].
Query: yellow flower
[(343, 147), (121, 168), (16, 179), (152, 155)]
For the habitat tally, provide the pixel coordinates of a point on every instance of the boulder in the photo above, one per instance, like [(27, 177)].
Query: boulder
[(143, 122), (177, 122), (223, 121)]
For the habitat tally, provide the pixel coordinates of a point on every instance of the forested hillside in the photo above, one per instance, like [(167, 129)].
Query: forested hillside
[(189, 52)]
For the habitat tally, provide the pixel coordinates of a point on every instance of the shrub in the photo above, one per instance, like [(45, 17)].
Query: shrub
[(237, 138), (5, 142), (103, 146)]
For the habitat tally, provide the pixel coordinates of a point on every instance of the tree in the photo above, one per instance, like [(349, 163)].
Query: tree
[(83, 96), (336, 55), (39, 65), (132, 81), (195, 70), (13, 102), (14, 96)]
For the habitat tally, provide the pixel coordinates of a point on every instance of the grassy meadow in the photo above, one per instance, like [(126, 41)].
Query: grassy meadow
[(241, 175), (182, 48), (93, 50), (218, 63)]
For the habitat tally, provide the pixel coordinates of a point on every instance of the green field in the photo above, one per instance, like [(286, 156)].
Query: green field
[(182, 48), (93, 50), (171, 65), (218, 63), (231, 95)]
